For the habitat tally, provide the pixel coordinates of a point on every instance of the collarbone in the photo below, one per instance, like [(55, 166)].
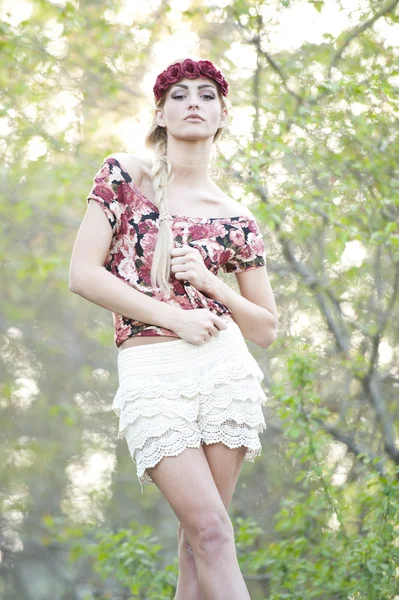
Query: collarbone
[(226, 206)]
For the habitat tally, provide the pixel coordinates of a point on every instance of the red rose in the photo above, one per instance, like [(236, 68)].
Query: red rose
[(225, 255), (162, 80), (178, 286), (104, 191), (218, 77), (157, 91), (148, 227), (190, 69), (199, 231), (161, 84), (206, 68), (218, 229), (127, 269), (147, 243), (256, 243), (174, 73), (123, 227), (103, 172), (252, 226), (246, 252), (145, 274), (237, 237)]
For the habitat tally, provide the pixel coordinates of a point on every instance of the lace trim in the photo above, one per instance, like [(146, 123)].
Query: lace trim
[(130, 403), (245, 414), (234, 435), (189, 383), (173, 443)]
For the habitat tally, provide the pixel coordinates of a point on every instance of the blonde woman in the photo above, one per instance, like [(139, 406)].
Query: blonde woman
[(149, 249)]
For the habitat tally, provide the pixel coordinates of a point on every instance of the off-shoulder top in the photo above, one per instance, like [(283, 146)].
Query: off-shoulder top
[(234, 244)]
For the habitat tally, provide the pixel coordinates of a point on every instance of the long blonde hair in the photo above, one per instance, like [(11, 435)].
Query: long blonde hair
[(161, 175)]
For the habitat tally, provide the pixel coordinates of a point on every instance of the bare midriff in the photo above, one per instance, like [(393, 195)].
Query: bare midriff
[(156, 339)]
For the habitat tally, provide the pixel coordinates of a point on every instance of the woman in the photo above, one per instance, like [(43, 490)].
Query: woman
[(189, 399)]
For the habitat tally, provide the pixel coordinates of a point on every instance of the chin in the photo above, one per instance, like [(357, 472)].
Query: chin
[(194, 133), (190, 137)]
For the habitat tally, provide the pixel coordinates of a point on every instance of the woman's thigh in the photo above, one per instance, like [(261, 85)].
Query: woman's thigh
[(225, 464), (188, 484)]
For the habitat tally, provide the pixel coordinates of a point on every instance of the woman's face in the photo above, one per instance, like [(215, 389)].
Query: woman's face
[(192, 96)]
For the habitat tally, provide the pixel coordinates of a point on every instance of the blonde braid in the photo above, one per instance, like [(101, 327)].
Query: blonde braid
[(161, 174)]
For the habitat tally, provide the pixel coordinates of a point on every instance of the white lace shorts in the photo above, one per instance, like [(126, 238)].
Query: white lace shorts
[(177, 395)]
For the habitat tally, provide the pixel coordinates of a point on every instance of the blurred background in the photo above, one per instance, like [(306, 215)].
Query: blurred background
[(312, 148)]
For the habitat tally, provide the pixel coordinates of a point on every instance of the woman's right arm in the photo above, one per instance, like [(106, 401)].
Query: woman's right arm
[(88, 277)]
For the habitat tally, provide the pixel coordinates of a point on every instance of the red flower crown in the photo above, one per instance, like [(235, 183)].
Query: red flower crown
[(191, 69)]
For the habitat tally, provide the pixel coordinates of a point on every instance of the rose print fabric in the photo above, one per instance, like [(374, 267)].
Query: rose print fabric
[(233, 244)]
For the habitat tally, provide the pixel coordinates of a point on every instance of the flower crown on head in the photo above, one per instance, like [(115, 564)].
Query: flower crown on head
[(191, 69)]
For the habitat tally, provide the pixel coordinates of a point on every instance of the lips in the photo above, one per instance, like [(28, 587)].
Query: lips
[(194, 117)]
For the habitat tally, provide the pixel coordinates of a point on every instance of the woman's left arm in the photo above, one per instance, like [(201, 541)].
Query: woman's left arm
[(254, 309)]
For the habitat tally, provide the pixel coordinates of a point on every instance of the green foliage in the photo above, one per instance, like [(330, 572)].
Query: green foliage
[(131, 557), (131, 560), (328, 540), (127, 560), (332, 541)]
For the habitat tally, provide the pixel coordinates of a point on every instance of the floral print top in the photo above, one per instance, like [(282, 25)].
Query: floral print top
[(234, 244)]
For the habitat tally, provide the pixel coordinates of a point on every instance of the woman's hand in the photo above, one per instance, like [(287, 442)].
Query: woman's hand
[(187, 265), (199, 325)]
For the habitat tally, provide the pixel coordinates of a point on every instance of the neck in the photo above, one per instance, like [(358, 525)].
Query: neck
[(190, 162)]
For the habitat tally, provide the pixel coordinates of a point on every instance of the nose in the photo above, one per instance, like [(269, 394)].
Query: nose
[(193, 105)]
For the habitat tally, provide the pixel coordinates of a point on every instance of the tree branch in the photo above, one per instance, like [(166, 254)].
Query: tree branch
[(382, 324), (280, 73), (356, 31), (358, 450), (256, 41), (311, 280), (383, 416)]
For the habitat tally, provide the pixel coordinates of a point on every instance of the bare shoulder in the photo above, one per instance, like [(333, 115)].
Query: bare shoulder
[(241, 210), (236, 208), (132, 165), (146, 164)]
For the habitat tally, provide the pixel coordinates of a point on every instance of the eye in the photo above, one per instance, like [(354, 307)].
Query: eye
[(203, 96)]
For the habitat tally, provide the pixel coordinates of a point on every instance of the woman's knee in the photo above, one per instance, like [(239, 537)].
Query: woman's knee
[(182, 539), (210, 532)]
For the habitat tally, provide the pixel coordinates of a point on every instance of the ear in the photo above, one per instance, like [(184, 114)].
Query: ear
[(160, 117), (223, 117)]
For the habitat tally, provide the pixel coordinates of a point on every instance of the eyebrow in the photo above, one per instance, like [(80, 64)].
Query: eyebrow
[(199, 86)]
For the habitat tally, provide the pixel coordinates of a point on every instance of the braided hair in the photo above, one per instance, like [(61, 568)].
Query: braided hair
[(161, 175)]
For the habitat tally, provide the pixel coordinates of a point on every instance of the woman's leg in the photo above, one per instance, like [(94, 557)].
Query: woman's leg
[(225, 464), (188, 587), (187, 483)]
